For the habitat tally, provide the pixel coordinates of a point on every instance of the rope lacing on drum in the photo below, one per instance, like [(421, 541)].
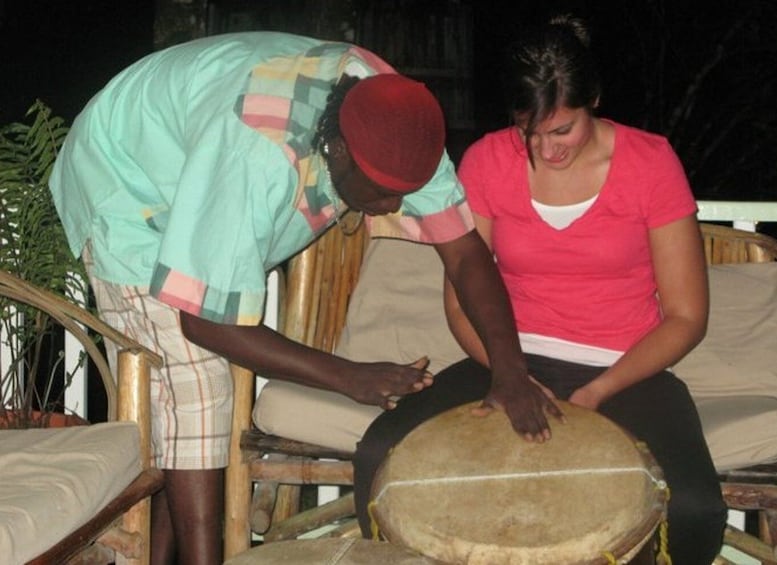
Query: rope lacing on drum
[(374, 529), (663, 557), (660, 483)]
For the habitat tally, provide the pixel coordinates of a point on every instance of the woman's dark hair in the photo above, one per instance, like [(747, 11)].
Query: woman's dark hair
[(548, 67), (329, 123)]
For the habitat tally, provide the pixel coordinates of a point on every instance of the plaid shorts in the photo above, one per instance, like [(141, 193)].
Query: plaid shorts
[(191, 396)]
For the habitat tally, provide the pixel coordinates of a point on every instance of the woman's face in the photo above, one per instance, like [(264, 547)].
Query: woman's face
[(356, 189), (560, 138)]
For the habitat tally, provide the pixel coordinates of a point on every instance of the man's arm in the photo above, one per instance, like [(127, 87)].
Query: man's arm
[(272, 355), (480, 291)]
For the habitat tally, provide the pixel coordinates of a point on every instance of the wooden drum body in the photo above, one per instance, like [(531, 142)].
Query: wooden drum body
[(463, 489)]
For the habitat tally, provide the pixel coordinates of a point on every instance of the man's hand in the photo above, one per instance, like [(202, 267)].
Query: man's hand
[(526, 403), (273, 355), (384, 383)]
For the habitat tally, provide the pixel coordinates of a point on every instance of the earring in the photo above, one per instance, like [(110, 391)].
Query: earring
[(325, 149)]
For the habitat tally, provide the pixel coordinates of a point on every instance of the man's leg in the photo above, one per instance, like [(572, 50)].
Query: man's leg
[(196, 503), (191, 407), (162, 538)]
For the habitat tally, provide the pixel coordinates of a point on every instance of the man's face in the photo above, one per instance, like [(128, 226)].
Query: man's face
[(358, 191)]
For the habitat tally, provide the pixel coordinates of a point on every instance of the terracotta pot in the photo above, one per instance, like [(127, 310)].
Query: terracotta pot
[(10, 419)]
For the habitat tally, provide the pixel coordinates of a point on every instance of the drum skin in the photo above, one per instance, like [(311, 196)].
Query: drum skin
[(330, 551), (466, 489)]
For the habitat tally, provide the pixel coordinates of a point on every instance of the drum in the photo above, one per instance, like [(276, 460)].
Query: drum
[(464, 489), (330, 551)]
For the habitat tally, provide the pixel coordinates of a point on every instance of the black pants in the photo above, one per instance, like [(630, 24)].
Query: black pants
[(658, 411)]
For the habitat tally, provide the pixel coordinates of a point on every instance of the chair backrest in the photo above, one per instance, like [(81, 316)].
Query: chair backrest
[(723, 244), (319, 283), (321, 279)]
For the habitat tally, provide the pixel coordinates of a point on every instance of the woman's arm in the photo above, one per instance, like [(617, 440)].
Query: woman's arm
[(681, 276)]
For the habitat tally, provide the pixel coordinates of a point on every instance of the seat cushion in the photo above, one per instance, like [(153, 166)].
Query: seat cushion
[(740, 430), (732, 373), (330, 419), (53, 480)]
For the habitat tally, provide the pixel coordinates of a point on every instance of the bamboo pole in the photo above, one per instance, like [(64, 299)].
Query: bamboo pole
[(237, 487), (134, 398)]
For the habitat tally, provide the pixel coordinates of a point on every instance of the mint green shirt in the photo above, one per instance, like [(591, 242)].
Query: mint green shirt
[(192, 171)]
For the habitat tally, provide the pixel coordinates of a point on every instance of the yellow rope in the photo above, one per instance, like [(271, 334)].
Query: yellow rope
[(374, 528), (663, 557), (610, 557)]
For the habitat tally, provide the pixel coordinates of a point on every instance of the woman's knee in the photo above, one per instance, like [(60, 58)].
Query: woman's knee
[(696, 525)]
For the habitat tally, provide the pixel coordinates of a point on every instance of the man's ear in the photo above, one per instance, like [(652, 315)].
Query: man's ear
[(337, 155), (337, 148)]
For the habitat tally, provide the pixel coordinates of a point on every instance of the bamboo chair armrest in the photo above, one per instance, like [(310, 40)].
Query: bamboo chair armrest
[(73, 318)]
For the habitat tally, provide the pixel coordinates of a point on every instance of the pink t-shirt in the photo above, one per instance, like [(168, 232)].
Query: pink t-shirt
[(591, 282)]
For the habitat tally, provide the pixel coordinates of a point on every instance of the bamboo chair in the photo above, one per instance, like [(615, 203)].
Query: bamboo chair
[(751, 489), (120, 531), (319, 283), (329, 268)]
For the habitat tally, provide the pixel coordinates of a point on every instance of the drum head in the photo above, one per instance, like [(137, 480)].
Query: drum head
[(332, 551), (464, 489)]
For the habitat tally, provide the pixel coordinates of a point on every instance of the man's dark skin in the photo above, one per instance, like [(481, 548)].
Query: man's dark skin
[(470, 268)]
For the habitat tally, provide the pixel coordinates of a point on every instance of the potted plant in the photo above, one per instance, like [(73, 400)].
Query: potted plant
[(33, 247)]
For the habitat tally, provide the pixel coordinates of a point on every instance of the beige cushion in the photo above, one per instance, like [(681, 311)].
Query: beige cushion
[(53, 480), (732, 374), (396, 314), (311, 415), (738, 357), (740, 430)]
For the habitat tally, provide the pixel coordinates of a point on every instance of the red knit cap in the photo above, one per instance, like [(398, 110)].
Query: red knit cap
[(395, 131)]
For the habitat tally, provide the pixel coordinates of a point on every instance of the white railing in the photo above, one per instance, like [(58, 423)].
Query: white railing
[(742, 215)]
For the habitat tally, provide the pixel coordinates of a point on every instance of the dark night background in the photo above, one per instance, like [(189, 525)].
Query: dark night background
[(703, 73)]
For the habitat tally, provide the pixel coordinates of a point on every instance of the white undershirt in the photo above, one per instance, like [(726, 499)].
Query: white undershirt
[(568, 350), (561, 216)]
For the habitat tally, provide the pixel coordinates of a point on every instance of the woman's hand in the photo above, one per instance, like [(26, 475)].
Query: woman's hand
[(587, 397)]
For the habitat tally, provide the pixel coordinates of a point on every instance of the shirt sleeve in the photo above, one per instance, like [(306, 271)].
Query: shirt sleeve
[(472, 175), (436, 213), (214, 251), (668, 197)]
